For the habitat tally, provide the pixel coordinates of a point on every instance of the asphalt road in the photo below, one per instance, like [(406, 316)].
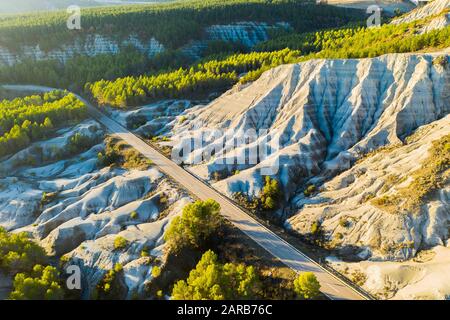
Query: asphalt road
[(331, 286)]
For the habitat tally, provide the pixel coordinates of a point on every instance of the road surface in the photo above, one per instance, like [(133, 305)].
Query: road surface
[(331, 286)]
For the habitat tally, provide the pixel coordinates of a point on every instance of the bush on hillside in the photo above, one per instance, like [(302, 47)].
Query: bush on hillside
[(198, 221)]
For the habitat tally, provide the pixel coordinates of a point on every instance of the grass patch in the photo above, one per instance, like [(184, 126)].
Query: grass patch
[(119, 153)]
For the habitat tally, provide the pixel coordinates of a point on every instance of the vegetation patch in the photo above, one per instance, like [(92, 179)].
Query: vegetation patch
[(358, 277), (198, 221), (306, 286), (32, 118), (42, 283), (112, 286), (271, 194), (195, 82), (219, 74), (362, 42), (34, 278), (120, 243), (213, 268), (212, 280), (18, 253), (432, 175), (268, 200), (173, 24), (119, 153), (309, 191)]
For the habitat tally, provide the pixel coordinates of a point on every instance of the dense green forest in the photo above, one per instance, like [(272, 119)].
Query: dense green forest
[(34, 278), (28, 119), (361, 42), (197, 81), (212, 75), (130, 78), (172, 24), (77, 71)]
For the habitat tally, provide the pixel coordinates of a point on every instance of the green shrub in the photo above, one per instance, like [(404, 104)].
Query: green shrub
[(118, 267), (120, 243), (156, 271), (79, 143), (306, 286), (134, 215), (271, 194), (48, 197), (18, 253), (108, 158), (441, 61), (358, 277), (182, 119), (317, 233), (343, 222), (315, 228), (245, 201), (110, 287), (41, 284), (212, 280), (309, 190), (198, 221)]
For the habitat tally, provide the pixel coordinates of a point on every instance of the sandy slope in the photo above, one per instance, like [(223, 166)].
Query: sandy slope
[(425, 277)]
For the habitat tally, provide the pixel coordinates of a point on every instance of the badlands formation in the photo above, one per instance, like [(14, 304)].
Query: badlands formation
[(362, 131), (88, 207), (327, 115)]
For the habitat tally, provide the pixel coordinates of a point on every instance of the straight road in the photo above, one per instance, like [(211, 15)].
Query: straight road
[(331, 286)]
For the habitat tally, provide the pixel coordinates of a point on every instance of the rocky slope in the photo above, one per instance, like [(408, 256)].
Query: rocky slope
[(76, 208), (437, 12), (323, 113), (346, 206), (327, 115), (431, 9), (425, 277)]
